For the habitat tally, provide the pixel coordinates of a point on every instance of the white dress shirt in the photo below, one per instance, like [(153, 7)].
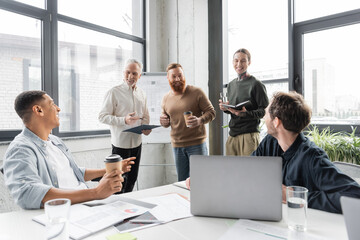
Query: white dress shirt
[(120, 101)]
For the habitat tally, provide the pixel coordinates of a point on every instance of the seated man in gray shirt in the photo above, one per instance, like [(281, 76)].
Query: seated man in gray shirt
[(39, 167)]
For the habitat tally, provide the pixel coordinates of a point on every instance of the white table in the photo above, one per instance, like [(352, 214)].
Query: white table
[(18, 225)]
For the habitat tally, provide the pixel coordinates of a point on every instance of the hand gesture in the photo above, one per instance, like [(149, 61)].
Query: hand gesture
[(130, 119), (126, 164), (187, 183), (237, 112), (146, 132), (221, 105)]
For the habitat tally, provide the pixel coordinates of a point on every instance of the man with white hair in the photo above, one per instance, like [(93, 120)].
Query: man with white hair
[(125, 107)]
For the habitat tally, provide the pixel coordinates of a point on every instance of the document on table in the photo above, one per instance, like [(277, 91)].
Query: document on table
[(88, 219), (252, 230), (180, 184), (138, 129), (168, 208)]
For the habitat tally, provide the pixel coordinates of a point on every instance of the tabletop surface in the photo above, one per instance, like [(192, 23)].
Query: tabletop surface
[(18, 225)]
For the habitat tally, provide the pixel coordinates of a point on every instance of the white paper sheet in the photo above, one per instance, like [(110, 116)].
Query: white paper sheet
[(181, 184), (252, 230), (85, 220), (169, 207)]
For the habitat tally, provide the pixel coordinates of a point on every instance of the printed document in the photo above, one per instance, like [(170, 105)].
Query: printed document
[(168, 208), (88, 219)]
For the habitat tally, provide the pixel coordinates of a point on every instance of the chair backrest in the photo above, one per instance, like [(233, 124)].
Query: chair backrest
[(7, 203), (352, 170)]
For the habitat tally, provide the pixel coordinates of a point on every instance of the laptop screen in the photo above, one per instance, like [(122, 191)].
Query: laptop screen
[(236, 187)]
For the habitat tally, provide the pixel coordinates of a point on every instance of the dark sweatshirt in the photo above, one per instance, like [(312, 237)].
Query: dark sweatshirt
[(307, 165), (247, 89)]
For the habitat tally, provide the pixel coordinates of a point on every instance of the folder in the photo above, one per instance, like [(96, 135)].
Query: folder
[(138, 129)]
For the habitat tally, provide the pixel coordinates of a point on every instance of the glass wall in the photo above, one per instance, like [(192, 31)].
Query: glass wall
[(75, 55), (323, 48), (309, 9), (35, 3), (122, 15), (331, 77), (90, 63), (326, 53), (267, 40), (20, 60), (263, 33)]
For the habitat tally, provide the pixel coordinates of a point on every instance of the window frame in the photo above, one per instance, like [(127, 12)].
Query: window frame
[(49, 51), (315, 25), (217, 27)]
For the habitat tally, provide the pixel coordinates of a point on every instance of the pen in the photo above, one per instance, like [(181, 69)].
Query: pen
[(145, 221)]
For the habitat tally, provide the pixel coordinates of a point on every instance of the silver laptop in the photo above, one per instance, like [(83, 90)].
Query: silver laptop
[(351, 210), (236, 187)]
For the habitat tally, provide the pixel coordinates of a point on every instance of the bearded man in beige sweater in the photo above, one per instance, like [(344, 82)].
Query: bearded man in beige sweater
[(186, 141)]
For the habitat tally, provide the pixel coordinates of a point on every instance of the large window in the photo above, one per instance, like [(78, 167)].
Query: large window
[(121, 15), (331, 77), (264, 34), (310, 9), (308, 46), (90, 63), (35, 3), (75, 55), (20, 47), (326, 49)]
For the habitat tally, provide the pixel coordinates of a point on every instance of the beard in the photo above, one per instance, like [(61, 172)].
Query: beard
[(178, 86)]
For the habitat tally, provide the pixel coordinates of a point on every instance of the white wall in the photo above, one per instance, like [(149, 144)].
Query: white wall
[(177, 31)]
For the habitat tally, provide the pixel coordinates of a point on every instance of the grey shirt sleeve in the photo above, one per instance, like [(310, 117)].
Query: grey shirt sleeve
[(22, 178)]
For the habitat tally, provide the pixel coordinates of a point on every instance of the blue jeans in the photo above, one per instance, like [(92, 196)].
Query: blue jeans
[(182, 156)]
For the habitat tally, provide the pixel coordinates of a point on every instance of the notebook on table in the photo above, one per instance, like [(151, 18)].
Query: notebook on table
[(236, 187)]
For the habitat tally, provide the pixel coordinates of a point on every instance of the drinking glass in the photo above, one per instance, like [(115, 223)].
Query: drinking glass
[(223, 97), (296, 201), (57, 212)]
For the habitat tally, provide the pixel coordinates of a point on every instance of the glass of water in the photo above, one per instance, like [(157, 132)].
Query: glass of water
[(223, 97), (57, 212), (296, 201)]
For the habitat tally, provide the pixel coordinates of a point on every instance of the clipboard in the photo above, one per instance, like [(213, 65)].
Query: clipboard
[(138, 129)]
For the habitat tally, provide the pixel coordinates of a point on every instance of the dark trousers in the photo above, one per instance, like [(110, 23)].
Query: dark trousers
[(129, 177)]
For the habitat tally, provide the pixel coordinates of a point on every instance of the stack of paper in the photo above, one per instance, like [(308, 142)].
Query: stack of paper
[(95, 216), (168, 208)]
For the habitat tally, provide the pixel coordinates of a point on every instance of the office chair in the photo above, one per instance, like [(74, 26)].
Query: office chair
[(7, 203), (352, 170)]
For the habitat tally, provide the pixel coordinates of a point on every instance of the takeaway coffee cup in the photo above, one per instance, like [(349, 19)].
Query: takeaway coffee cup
[(113, 162), (186, 116)]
